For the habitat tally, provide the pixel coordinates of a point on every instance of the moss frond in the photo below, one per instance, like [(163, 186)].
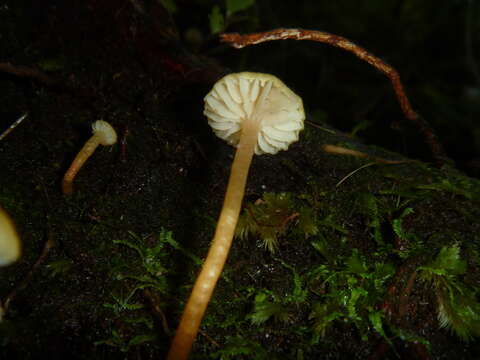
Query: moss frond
[(270, 217), (458, 308)]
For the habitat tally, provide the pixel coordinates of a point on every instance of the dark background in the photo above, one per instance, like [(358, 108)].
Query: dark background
[(145, 69)]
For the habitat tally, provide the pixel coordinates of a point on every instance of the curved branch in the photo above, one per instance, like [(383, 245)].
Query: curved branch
[(239, 41)]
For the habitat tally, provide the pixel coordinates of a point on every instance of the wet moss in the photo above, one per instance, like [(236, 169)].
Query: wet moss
[(338, 292)]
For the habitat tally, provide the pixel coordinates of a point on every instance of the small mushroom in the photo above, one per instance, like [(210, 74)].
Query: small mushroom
[(103, 134), (256, 113), (10, 245)]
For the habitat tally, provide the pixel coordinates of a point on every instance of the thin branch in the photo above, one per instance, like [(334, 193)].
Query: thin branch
[(315, 125), (353, 172), (41, 77), (334, 149), (13, 126), (208, 337), (239, 41), (27, 72), (49, 243), (157, 309)]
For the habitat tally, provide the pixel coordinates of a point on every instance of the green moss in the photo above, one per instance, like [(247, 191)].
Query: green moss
[(349, 292), (336, 247), (272, 216), (144, 278), (458, 307)]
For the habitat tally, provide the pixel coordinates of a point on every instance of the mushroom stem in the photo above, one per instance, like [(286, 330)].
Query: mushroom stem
[(103, 134), (87, 150), (222, 240)]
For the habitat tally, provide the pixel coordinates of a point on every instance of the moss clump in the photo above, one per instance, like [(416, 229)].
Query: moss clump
[(271, 216)]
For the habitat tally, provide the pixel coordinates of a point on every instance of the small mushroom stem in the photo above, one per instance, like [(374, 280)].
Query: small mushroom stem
[(87, 150), (222, 240)]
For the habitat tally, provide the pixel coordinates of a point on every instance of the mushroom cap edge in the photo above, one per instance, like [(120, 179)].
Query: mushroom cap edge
[(106, 133), (10, 244)]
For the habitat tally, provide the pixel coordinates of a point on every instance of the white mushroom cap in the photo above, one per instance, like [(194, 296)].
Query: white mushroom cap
[(105, 132), (255, 97), (10, 247)]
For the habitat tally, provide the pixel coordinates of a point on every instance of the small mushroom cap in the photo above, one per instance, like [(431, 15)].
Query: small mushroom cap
[(263, 98), (10, 247), (105, 132)]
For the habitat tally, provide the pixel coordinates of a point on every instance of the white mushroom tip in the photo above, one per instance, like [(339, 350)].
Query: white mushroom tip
[(258, 97), (10, 245), (106, 133)]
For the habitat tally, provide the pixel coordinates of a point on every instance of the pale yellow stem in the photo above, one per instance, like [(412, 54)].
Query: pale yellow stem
[(217, 255), (87, 150)]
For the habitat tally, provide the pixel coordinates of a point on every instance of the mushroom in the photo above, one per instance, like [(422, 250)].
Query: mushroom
[(256, 113), (10, 245), (103, 134)]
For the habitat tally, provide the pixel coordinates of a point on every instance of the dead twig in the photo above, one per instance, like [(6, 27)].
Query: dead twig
[(208, 337), (315, 125), (22, 284), (239, 41), (154, 300), (13, 126), (27, 72), (66, 85), (339, 150)]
